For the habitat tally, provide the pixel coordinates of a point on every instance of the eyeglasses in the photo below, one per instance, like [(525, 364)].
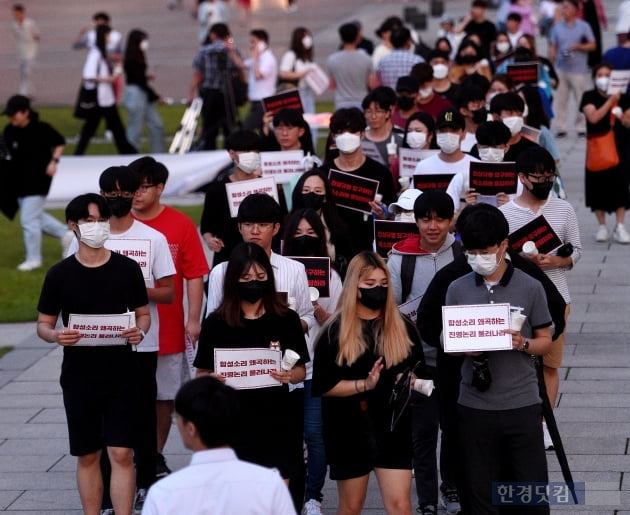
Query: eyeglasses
[(261, 226), (541, 178), (119, 194), (143, 188)]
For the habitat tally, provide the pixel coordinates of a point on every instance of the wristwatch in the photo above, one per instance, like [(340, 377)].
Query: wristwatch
[(525, 345)]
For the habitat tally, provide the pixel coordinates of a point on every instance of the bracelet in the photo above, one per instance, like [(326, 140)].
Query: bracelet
[(356, 385)]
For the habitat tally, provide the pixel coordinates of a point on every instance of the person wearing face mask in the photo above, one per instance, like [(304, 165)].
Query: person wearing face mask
[(502, 49), (412, 265), (304, 236), (509, 108), (140, 99), (218, 229), (359, 355), (419, 132), (428, 101), (536, 169), (296, 63), (347, 127), (96, 281), (492, 450), (127, 236), (606, 191), (472, 106), (250, 314), (450, 159), (406, 95), (403, 207), (442, 84)]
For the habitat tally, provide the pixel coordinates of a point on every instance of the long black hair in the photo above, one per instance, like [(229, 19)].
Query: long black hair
[(133, 53), (313, 219), (101, 43)]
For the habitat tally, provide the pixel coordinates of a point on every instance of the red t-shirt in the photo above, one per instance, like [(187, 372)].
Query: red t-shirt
[(190, 263), (434, 106)]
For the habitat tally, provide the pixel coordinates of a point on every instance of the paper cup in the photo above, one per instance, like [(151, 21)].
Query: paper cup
[(378, 198), (424, 386), (529, 249), (517, 320), (292, 303), (313, 293), (289, 359), (392, 149)]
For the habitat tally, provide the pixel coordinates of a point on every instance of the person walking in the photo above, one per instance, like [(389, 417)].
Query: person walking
[(27, 38)]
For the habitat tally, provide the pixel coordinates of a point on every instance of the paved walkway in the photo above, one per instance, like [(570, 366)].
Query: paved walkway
[(36, 471)]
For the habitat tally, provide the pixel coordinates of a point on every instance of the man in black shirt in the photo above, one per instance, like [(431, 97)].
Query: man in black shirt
[(509, 108)]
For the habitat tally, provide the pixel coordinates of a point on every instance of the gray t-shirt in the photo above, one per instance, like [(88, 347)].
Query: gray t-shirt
[(350, 70), (564, 36), (514, 382)]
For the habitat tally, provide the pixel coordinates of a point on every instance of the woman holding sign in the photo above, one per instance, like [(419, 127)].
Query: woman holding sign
[(252, 316), (360, 354)]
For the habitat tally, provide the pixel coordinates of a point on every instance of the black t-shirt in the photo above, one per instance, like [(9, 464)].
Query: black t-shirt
[(216, 219), (361, 230), (486, 31), (31, 148), (113, 288), (516, 148), (596, 99)]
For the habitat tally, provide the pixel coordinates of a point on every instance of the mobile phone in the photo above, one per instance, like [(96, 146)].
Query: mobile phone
[(261, 46)]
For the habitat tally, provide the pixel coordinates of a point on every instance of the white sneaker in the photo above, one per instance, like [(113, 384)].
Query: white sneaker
[(66, 240), (602, 234), (28, 265), (312, 507), (547, 437), (620, 234)]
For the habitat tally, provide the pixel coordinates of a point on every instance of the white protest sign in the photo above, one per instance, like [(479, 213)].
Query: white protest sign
[(282, 163), (410, 157), (619, 80), (410, 308), (476, 327), (245, 369), (137, 249), (101, 329), (237, 191)]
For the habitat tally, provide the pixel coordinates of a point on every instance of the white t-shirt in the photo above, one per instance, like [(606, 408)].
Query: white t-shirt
[(266, 86), (290, 63), (96, 66), (150, 250)]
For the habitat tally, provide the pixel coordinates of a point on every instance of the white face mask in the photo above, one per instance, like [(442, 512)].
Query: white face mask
[(425, 92), (94, 234), (448, 142), (307, 42), (602, 83), (514, 123), (483, 264), (416, 139), (144, 45), (347, 142), (491, 154), (406, 216), (440, 71), (249, 162), (503, 46)]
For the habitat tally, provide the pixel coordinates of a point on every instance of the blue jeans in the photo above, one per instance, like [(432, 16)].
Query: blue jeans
[(140, 111), (34, 220), (316, 462)]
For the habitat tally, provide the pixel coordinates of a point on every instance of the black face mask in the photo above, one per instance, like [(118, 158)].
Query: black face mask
[(373, 298), (313, 200), (468, 59), (120, 206), (405, 103), (305, 245), (541, 190), (479, 115), (251, 291)]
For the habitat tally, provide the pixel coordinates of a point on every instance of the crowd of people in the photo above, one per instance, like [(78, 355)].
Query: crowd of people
[(341, 372)]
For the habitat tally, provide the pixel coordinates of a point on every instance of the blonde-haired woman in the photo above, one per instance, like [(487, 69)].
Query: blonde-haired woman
[(361, 352)]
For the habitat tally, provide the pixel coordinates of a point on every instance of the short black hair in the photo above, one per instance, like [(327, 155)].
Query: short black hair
[(348, 32), (400, 36), (347, 119), (509, 101), (239, 141), (535, 159), (434, 201), (422, 72), (220, 30), (259, 207), (213, 407), (471, 93), (382, 96), (515, 17), (493, 133), (101, 15), (119, 177), (481, 226), (148, 168), (77, 208), (260, 34)]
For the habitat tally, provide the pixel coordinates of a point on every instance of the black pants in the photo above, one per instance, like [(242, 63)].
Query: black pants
[(504, 445), (214, 117), (113, 123), (253, 120)]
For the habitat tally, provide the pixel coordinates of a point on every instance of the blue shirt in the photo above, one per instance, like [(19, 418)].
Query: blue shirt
[(565, 36)]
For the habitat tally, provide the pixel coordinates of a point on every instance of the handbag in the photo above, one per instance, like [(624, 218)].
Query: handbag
[(86, 102), (601, 151), (317, 79)]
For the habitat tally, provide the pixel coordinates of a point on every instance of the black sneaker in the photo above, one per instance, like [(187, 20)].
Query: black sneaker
[(161, 469), (138, 503), (427, 509), (450, 502)]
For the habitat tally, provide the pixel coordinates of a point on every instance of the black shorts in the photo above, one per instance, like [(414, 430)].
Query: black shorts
[(99, 413)]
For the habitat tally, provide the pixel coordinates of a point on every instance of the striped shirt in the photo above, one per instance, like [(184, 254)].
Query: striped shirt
[(562, 219), (290, 277)]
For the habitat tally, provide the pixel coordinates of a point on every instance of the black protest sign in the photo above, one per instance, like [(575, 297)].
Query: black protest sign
[(352, 191), (388, 232), (490, 178), (317, 272), (286, 100), (432, 181), (540, 232), (523, 73)]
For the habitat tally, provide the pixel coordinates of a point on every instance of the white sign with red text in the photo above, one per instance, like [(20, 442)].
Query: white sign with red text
[(136, 249), (99, 330), (237, 191), (476, 327), (244, 369)]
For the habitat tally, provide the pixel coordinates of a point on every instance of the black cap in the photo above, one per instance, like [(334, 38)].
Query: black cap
[(17, 103), (450, 118), (407, 83)]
